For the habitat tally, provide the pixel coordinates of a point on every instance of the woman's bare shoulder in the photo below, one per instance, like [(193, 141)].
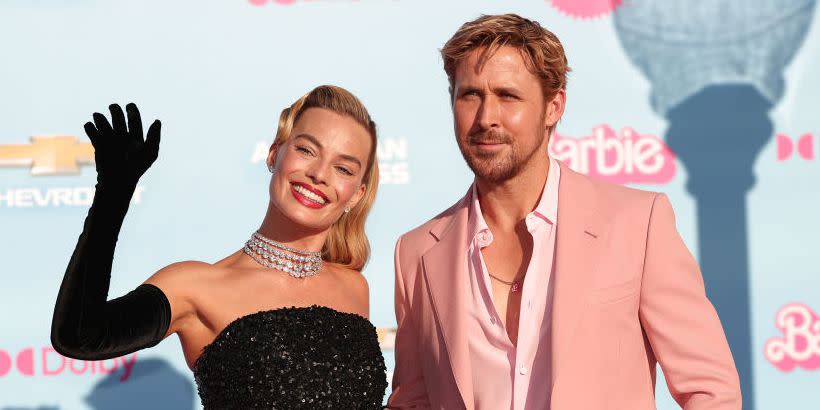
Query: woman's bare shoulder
[(187, 285), (183, 271), (191, 274), (355, 288)]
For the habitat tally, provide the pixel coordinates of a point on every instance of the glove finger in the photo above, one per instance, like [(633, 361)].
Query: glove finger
[(152, 141), (134, 122), (118, 120), (103, 127), (92, 133)]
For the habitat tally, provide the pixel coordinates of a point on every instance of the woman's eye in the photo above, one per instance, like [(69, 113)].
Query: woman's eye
[(344, 170)]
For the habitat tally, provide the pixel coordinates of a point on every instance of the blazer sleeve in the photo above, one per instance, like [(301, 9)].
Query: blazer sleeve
[(681, 324), (409, 390)]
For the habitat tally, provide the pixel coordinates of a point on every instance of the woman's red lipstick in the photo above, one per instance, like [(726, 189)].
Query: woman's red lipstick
[(305, 200)]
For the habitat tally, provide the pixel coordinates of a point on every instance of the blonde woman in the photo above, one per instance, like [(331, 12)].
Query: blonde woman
[(280, 323)]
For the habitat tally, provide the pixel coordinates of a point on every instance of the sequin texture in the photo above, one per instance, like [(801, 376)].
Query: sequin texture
[(293, 358)]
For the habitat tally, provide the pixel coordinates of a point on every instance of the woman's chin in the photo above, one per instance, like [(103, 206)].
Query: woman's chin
[(313, 220)]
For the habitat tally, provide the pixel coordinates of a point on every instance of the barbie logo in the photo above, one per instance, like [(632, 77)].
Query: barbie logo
[(626, 158), (52, 363), (584, 9), (800, 344)]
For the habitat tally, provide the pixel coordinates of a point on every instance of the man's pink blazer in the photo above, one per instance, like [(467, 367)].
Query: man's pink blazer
[(627, 295)]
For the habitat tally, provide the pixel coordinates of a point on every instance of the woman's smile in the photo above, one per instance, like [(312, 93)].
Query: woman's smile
[(308, 196)]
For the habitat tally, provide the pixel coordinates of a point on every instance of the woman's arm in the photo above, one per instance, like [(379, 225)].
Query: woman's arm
[(86, 325)]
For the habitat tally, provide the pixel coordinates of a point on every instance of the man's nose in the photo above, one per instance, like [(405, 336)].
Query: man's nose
[(488, 116)]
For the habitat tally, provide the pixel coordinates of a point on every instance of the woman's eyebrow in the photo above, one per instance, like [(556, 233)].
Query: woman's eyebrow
[(316, 142)]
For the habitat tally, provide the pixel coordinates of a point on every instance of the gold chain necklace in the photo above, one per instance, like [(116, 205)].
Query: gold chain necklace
[(514, 285)]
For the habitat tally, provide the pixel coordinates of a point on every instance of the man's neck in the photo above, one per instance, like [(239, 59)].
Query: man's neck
[(505, 204)]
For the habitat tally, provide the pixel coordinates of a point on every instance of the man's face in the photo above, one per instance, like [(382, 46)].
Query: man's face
[(501, 117)]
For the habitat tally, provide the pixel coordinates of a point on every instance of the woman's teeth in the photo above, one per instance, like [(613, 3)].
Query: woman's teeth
[(309, 195)]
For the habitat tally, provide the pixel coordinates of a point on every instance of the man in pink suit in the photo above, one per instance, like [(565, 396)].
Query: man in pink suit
[(542, 288)]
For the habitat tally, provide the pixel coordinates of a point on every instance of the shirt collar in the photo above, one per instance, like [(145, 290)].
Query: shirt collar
[(546, 209)]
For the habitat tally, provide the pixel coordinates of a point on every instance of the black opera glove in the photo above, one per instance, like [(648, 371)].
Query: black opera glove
[(120, 153), (85, 325)]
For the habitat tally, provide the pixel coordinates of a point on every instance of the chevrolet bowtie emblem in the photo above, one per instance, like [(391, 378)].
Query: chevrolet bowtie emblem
[(48, 155)]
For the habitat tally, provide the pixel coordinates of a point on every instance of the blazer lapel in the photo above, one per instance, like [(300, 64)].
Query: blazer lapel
[(445, 271), (577, 249)]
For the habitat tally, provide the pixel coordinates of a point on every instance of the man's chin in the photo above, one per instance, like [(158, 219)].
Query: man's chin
[(493, 173)]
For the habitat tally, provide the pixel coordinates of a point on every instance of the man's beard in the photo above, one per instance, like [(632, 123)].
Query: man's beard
[(497, 166)]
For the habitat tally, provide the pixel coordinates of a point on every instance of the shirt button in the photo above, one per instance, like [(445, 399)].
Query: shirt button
[(523, 370)]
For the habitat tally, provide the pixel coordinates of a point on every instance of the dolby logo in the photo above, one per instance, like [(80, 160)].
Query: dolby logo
[(46, 362)]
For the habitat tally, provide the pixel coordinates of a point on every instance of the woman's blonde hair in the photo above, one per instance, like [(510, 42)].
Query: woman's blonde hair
[(347, 243)]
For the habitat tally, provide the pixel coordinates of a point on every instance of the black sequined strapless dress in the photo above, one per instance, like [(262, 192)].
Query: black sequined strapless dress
[(293, 358)]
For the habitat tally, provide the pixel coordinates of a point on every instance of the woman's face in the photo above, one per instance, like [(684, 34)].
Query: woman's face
[(319, 170)]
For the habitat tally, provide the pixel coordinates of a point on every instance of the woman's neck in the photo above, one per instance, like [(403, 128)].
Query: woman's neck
[(279, 228)]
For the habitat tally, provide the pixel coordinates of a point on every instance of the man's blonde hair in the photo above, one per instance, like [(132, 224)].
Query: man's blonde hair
[(347, 243), (542, 51)]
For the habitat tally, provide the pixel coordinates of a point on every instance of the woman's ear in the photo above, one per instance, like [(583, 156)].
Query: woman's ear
[(357, 196), (271, 159)]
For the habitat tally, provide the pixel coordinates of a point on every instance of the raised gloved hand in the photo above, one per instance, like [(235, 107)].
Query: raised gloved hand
[(120, 152), (86, 325)]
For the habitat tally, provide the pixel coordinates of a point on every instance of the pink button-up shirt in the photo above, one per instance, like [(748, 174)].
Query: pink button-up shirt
[(506, 376)]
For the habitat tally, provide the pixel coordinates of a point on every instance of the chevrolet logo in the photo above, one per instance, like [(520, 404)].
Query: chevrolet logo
[(48, 155)]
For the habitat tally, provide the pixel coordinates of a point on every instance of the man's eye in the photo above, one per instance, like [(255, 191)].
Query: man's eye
[(304, 150)]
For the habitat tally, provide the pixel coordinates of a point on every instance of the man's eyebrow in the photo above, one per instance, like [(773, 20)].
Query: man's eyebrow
[(313, 140), (468, 88), (506, 90)]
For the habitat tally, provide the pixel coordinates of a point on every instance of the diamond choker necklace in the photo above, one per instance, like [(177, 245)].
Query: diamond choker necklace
[(294, 262)]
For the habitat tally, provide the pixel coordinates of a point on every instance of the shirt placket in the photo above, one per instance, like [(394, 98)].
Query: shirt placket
[(524, 349)]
